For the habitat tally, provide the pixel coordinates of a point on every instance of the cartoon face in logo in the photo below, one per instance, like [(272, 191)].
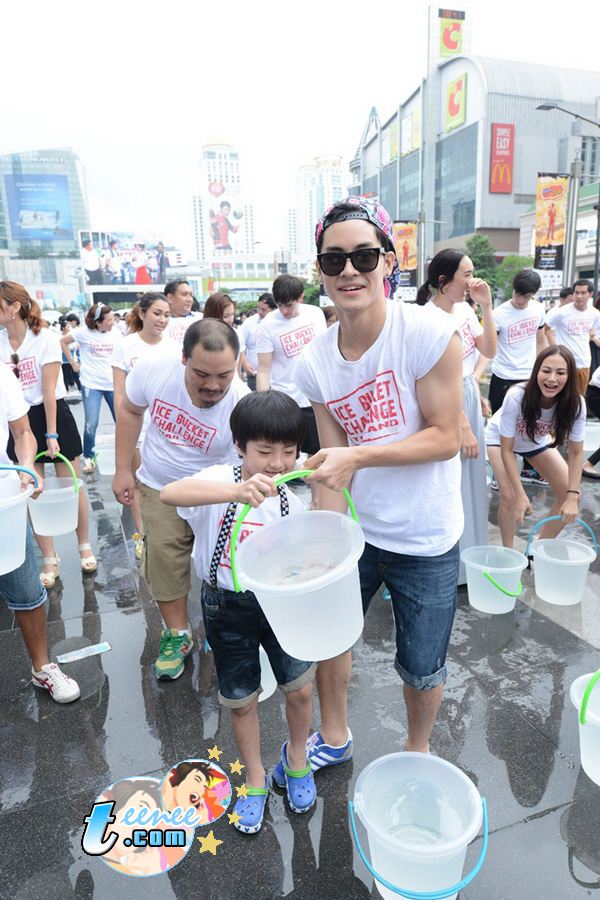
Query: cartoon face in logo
[(198, 784)]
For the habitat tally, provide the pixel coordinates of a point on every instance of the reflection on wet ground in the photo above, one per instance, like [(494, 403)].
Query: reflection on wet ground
[(506, 721)]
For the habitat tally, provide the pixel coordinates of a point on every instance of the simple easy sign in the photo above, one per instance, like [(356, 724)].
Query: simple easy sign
[(501, 158)]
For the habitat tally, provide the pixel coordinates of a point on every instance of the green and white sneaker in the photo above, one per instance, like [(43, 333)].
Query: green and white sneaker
[(174, 648)]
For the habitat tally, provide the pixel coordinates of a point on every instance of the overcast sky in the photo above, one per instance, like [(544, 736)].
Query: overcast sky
[(138, 88)]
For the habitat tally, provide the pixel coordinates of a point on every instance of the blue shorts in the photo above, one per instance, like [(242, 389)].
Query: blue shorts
[(22, 589), (528, 455), (423, 591), (235, 625)]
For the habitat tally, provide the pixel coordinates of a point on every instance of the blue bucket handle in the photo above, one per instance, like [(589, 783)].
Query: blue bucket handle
[(489, 465), (552, 519), (427, 895), (281, 479), (21, 469)]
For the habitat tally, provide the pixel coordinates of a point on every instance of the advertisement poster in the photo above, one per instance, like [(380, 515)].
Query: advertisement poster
[(451, 32), (405, 240), (550, 221), (225, 218), (110, 259), (406, 140), (394, 140), (501, 158), (39, 207), (456, 102)]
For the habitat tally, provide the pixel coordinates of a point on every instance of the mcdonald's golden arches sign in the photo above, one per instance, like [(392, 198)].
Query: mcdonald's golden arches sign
[(501, 158)]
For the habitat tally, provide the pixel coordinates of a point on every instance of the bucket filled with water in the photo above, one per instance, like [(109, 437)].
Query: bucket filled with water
[(493, 577), (561, 566), (585, 696), (420, 813), (55, 510), (13, 519), (304, 572)]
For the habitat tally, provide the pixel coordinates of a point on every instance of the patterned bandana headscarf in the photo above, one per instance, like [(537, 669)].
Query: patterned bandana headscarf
[(370, 211)]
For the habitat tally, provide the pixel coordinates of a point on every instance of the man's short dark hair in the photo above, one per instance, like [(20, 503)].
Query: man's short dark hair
[(225, 203), (86, 242), (112, 243), (71, 317), (287, 288), (267, 298), (527, 281), (213, 335), (583, 282), (566, 292), (171, 286), (269, 416)]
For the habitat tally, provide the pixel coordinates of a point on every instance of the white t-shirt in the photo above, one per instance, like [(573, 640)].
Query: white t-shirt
[(287, 339), (182, 438), (90, 260), (517, 330), (34, 353), (206, 522), (414, 509), (96, 349), (572, 329), (468, 326), (12, 406), (508, 422), (177, 327), (248, 331), (132, 348)]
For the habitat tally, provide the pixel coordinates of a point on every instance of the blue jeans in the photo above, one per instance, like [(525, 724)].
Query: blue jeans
[(92, 398), (423, 591), (235, 625), (22, 588)]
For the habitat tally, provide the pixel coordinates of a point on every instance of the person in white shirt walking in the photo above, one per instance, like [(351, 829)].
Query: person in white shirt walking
[(91, 263), (249, 331), (574, 326), (180, 297)]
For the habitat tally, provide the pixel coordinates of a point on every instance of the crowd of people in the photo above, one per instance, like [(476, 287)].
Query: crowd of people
[(382, 396)]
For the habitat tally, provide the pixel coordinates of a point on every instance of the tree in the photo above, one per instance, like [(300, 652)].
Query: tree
[(507, 270), (312, 291), (483, 256)]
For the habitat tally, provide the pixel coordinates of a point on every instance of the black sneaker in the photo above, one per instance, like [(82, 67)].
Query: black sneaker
[(530, 476)]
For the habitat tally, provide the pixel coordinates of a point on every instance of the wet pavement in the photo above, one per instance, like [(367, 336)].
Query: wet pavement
[(506, 721)]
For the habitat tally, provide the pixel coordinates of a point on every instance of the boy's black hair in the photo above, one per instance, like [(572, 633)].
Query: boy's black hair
[(584, 282), (213, 336), (268, 416), (566, 292), (527, 281), (287, 288)]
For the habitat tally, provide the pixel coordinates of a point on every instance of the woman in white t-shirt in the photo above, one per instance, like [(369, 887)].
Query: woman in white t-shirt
[(536, 417), (450, 277), (147, 322), (33, 352), (97, 340), (221, 306)]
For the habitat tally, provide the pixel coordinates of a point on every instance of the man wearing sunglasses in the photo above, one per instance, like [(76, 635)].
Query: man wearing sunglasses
[(386, 387)]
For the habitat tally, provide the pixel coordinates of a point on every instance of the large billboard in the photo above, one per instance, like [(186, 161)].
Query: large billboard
[(39, 207), (405, 240), (112, 259), (224, 218), (451, 32), (501, 158), (550, 222), (456, 102)]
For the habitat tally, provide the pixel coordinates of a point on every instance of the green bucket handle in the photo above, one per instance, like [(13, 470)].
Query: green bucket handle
[(21, 469), (65, 460), (281, 479), (586, 696), (552, 519), (504, 591)]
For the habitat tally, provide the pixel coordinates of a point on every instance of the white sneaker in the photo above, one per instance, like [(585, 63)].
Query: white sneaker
[(88, 466), (63, 688)]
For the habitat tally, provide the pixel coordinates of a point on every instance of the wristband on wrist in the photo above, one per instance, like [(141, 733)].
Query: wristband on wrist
[(573, 492), (51, 436)]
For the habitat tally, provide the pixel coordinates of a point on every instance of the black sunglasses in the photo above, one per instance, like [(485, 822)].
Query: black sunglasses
[(14, 358), (365, 260)]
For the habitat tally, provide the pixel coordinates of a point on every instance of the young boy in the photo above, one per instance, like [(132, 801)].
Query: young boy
[(267, 429)]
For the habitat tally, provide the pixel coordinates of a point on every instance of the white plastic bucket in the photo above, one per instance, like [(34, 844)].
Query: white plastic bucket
[(268, 682), (55, 510), (420, 813), (586, 701), (493, 577), (561, 566), (105, 458), (13, 523), (304, 572)]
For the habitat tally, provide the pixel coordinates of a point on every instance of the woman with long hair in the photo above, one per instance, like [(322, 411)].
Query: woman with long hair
[(147, 322), (220, 306), (449, 281), (33, 351), (97, 340), (536, 417)]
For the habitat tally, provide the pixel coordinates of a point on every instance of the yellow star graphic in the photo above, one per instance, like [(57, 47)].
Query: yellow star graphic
[(209, 843), (234, 818), (237, 767), (214, 753), (242, 791)]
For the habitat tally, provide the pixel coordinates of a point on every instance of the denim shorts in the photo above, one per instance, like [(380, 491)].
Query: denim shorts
[(235, 625), (423, 591), (22, 589)]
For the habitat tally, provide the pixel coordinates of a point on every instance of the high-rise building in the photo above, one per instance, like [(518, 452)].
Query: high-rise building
[(42, 201), (223, 222), (319, 183)]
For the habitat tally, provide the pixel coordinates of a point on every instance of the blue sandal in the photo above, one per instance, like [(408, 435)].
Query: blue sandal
[(300, 785), (251, 810)]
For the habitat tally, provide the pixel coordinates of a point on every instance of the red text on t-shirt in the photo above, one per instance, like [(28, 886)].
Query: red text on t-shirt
[(579, 327), (521, 331), (101, 350), (28, 371), (542, 427), (179, 427), (468, 341), (245, 531), (372, 411), (293, 341)]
